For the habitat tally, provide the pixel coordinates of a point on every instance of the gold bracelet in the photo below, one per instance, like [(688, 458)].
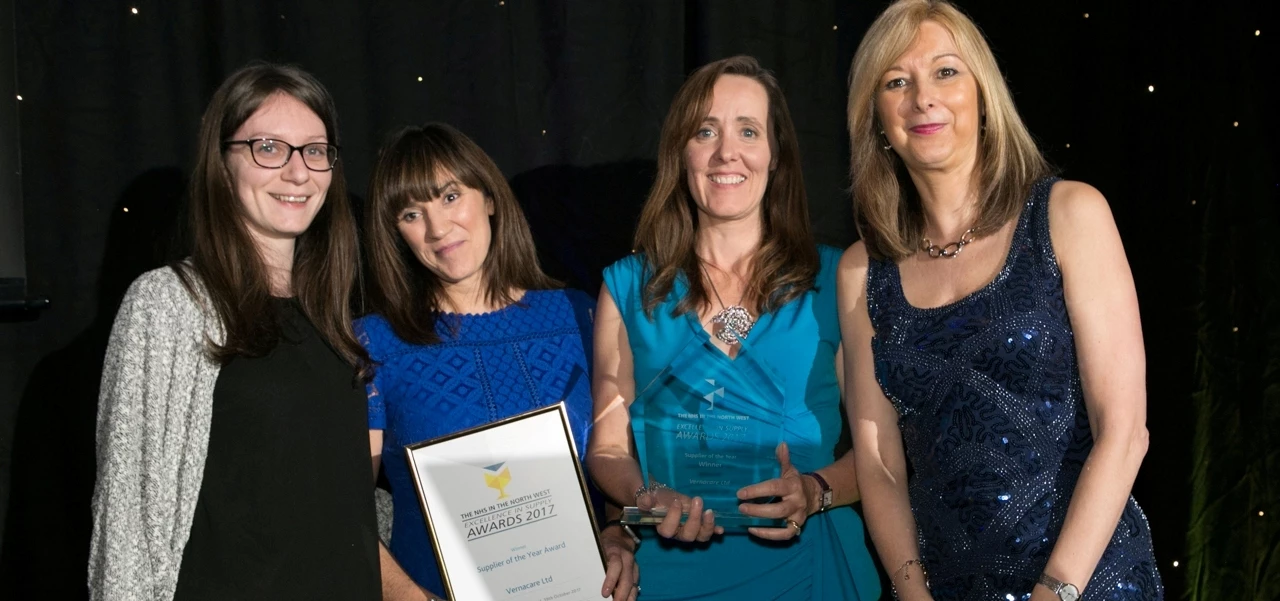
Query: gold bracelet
[(907, 576), (904, 565)]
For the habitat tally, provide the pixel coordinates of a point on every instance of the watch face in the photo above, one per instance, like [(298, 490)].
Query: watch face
[(1069, 592)]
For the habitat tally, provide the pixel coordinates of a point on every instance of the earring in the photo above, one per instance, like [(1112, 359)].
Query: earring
[(887, 145)]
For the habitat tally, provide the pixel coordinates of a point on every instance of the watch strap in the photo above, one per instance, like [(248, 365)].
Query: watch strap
[(1062, 589), (827, 494), (635, 538)]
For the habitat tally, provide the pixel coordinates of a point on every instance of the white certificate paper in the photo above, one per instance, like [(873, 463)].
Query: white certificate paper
[(507, 508)]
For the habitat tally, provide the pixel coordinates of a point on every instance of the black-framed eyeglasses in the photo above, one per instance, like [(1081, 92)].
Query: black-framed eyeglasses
[(274, 154)]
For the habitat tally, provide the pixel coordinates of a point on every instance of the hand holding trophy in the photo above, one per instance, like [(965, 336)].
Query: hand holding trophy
[(794, 501), (705, 428), (674, 509)]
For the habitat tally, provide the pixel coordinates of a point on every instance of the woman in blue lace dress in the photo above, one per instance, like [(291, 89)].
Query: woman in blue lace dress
[(992, 331), (467, 330)]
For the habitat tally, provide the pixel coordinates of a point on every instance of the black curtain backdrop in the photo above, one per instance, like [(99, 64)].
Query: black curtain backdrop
[(568, 98)]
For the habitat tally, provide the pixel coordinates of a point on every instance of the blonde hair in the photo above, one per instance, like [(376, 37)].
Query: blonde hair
[(887, 210)]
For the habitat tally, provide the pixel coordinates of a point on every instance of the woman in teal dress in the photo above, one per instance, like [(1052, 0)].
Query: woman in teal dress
[(728, 288)]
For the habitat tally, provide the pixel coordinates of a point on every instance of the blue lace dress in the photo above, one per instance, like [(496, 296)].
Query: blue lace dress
[(488, 366), (992, 416)]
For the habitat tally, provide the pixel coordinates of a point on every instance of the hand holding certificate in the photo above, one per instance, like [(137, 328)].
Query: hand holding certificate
[(508, 511)]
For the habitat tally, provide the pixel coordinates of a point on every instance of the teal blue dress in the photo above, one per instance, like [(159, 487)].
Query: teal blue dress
[(798, 342)]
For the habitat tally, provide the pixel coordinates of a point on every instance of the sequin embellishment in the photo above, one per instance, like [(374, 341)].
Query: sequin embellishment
[(993, 421)]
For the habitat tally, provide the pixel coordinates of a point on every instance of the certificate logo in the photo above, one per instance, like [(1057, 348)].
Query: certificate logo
[(711, 396), (497, 477)]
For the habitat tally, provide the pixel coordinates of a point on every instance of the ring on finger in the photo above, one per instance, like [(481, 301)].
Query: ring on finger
[(796, 525)]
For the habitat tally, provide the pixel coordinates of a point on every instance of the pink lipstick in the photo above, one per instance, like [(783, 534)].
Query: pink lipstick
[(928, 128)]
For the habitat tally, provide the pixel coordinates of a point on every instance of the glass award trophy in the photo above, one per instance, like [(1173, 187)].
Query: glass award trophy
[(706, 426)]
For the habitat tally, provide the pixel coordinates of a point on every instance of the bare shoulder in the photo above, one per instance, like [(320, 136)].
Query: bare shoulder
[(1083, 232), (853, 263), (851, 278), (1076, 208)]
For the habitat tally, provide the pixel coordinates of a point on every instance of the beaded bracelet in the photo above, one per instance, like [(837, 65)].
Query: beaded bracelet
[(907, 575), (652, 489)]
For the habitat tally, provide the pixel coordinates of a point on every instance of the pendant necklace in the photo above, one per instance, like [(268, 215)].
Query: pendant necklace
[(734, 321)]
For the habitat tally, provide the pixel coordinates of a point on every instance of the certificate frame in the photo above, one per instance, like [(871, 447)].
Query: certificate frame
[(445, 485)]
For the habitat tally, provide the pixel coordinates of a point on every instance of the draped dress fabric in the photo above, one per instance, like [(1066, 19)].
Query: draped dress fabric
[(994, 424), (798, 341)]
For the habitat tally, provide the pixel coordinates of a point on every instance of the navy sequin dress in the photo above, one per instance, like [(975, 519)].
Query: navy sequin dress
[(992, 416)]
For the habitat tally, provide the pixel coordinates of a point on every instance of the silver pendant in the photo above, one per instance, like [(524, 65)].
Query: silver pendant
[(735, 322)]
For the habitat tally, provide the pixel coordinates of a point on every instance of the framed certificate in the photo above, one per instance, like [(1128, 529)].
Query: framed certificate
[(508, 511)]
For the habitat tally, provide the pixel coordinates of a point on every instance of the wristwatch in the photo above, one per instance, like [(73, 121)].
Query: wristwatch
[(1064, 591), (827, 496), (635, 538)]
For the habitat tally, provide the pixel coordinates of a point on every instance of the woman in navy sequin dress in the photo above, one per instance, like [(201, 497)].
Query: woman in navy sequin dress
[(993, 334), (467, 330)]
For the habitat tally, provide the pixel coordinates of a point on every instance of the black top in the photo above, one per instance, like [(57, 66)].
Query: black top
[(286, 506)]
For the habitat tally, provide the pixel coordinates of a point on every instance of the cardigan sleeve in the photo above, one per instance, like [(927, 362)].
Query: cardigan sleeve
[(154, 356)]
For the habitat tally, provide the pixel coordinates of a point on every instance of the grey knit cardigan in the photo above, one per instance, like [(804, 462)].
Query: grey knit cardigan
[(154, 411)]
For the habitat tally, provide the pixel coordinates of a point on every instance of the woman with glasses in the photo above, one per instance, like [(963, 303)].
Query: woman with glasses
[(231, 429)]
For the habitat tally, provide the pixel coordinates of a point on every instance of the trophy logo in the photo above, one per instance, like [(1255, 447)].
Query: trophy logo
[(711, 396), (497, 477)]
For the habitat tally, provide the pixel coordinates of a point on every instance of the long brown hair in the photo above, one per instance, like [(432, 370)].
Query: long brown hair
[(887, 208), (786, 262), (410, 167), (226, 263)]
